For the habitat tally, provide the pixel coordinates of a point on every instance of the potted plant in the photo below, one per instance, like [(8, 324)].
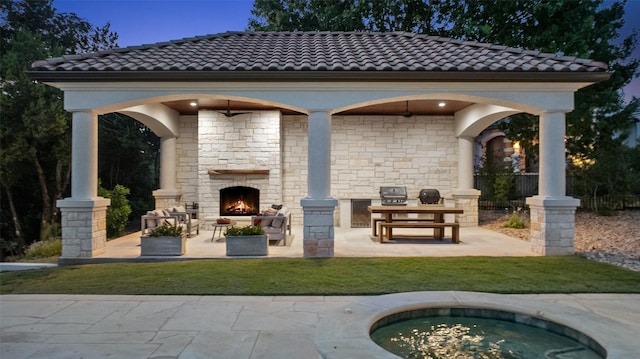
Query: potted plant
[(164, 240), (246, 241)]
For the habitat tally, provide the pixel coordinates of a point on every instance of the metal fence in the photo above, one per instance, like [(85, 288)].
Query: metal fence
[(526, 185)]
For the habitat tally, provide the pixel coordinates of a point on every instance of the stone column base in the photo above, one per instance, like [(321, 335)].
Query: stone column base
[(166, 198), (467, 199), (318, 238), (84, 227), (553, 224)]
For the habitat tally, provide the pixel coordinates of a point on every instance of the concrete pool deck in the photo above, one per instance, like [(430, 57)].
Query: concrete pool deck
[(251, 327)]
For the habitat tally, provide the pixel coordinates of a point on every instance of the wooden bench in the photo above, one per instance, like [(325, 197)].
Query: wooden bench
[(376, 221), (455, 228)]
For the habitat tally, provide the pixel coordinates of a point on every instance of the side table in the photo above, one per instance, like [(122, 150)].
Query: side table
[(218, 227)]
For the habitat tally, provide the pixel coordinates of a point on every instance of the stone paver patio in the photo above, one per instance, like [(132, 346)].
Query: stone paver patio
[(350, 242), (97, 326)]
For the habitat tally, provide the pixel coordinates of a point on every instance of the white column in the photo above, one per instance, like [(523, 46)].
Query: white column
[(84, 155), (319, 155), (465, 162), (168, 163), (552, 155), (167, 195), (84, 214), (465, 196), (552, 212), (318, 206)]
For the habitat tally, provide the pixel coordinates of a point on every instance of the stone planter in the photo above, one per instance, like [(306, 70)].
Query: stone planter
[(256, 245), (163, 246)]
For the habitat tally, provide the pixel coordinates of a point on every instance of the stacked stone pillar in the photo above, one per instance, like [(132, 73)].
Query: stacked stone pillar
[(552, 212), (318, 207)]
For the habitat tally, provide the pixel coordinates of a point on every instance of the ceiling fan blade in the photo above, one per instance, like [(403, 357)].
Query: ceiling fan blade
[(229, 114), (232, 114)]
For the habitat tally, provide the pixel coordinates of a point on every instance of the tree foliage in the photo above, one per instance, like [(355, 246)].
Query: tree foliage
[(35, 128), (417, 16), (128, 155), (585, 29)]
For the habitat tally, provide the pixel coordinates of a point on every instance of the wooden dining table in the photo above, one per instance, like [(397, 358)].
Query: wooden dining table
[(437, 211)]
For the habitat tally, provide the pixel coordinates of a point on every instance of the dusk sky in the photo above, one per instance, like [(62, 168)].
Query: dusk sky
[(139, 22)]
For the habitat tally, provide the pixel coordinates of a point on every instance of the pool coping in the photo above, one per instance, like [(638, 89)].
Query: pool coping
[(345, 333)]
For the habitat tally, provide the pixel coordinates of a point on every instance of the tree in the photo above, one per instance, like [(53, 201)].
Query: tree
[(127, 155), (584, 29), (300, 15), (320, 15), (34, 129)]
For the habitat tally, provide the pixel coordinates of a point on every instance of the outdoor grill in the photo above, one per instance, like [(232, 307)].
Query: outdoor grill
[(429, 196), (393, 196)]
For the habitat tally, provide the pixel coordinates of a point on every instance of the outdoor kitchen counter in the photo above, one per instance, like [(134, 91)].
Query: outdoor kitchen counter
[(437, 211)]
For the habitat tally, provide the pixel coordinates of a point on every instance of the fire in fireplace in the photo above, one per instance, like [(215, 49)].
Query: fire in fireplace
[(239, 201)]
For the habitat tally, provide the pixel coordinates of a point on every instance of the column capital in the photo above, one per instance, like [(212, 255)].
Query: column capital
[(84, 203), (547, 201), (320, 203), (554, 110), (466, 192)]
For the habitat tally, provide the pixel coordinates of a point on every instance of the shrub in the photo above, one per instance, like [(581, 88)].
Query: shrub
[(44, 249), (166, 231), (119, 210), (244, 231), (516, 220)]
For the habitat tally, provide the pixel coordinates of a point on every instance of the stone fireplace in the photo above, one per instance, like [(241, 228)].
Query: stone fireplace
[(239, 201)]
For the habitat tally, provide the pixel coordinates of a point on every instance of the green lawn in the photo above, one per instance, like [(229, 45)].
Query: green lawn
[(333, 276)]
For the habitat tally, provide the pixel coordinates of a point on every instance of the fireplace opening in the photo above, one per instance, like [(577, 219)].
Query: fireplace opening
[(239, 201)]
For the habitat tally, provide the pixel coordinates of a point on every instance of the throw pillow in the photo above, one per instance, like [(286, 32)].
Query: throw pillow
[(277, 222), (150, 223), (270, 212)]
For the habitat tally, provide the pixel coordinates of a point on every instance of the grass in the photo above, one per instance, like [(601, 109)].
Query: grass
[(333, 276)]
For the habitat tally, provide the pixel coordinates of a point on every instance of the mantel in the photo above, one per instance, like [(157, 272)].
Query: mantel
[(218, 172)]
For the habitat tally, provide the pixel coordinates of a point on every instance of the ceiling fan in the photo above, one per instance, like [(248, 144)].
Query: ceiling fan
[(406, 112), (228, 113)]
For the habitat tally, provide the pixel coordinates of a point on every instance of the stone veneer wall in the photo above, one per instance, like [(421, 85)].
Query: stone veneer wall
[(373, 151), (367, 152), (187, 159), (250, 141)]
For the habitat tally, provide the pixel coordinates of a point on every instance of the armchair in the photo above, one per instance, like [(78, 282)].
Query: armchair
[(275, 224), (176, 216)]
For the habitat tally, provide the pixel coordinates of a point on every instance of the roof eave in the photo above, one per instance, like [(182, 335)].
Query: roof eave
[(315, 76)]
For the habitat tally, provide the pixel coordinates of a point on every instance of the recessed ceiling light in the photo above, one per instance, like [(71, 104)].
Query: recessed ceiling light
[(442, 104), (193, 104)]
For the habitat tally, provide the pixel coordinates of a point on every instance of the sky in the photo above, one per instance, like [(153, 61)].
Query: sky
[(140, 22)]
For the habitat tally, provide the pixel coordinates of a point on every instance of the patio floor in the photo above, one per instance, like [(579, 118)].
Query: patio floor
[(349, 242)]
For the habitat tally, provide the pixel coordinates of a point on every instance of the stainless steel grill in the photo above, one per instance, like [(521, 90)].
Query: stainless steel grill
[(393, 196)]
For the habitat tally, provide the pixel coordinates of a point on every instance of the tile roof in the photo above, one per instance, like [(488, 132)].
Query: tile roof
[(326, 52)]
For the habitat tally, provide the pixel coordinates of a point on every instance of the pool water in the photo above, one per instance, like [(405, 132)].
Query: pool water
[(463, 337)]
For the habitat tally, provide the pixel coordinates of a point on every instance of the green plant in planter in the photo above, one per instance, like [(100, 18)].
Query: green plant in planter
[(166, 230), (244, 231)]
